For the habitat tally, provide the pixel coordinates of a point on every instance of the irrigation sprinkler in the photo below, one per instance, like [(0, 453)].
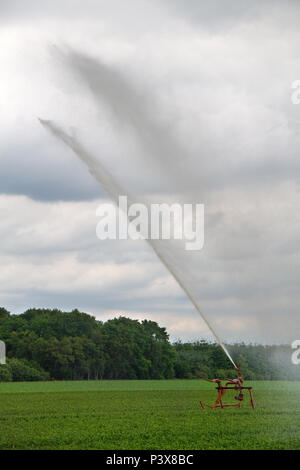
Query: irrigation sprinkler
[(231, 384)]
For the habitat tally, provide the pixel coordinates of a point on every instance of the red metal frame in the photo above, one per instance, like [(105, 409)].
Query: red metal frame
[(237, 385)]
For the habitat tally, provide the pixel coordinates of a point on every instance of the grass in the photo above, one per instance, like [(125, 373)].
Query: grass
[(145, 415)]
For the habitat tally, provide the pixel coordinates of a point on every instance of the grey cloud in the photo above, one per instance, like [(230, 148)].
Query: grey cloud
[(176, 165), (220, 16), (196, 98), (30, 9), (136, 110), (41, 170)]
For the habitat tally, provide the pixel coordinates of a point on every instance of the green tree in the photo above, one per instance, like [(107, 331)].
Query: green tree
[(5, 373), (4, 313)]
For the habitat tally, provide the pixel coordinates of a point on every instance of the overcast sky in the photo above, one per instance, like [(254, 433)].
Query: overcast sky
[(182, 101)]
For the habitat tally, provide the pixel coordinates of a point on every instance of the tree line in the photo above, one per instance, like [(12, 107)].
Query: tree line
[(45, 344)]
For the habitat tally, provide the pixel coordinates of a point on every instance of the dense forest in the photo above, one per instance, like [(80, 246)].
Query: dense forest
[(45, 344)]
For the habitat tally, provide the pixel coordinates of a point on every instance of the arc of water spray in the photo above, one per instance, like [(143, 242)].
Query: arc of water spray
[(113, 189)]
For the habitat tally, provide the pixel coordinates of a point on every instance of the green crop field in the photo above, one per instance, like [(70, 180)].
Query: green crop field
[(145, 415)]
